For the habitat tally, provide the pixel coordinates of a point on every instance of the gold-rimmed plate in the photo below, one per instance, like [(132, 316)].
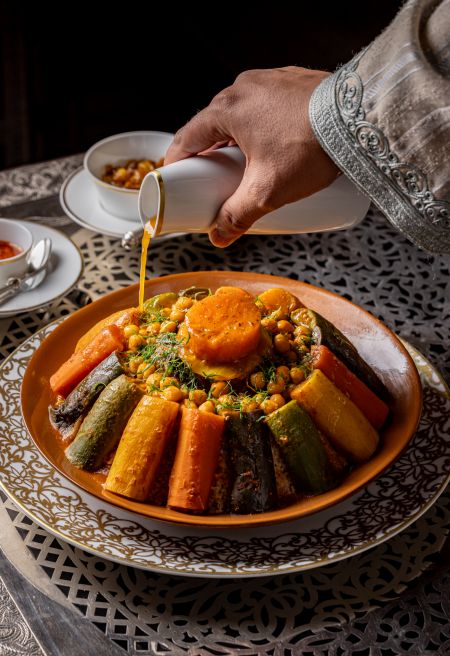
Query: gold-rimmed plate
[(376, 513)]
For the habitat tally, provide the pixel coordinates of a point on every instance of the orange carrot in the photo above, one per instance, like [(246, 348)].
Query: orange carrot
[(196, 460), (374, 409), (82, 362), (225, 326), (121, 318)]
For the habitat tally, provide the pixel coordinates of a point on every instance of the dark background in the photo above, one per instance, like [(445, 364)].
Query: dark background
[(74, 73)]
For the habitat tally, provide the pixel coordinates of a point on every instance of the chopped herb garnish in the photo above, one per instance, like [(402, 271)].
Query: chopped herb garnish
[(163, 352)]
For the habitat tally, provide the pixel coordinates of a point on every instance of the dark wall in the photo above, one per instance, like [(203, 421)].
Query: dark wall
[(71, 75)]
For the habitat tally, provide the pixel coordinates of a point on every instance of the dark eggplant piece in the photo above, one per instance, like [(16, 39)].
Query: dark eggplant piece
[(67, 417), (299, 442), (324, 332), (104, 424), (254, 485)]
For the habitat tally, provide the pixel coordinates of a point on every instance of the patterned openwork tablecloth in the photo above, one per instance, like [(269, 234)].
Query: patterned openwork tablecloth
[(392, 599)]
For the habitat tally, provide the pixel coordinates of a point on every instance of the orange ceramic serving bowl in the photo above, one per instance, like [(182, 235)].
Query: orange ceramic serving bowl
[(376, 343)]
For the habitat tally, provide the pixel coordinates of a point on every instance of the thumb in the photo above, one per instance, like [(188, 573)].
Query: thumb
[(238, 213)]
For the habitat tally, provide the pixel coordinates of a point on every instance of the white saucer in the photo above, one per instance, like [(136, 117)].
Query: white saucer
[(66, 269), (79, 200)]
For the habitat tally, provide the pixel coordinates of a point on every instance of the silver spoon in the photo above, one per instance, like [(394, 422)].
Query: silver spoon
[(37, 269)]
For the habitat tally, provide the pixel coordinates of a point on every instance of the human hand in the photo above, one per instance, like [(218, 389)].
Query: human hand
[(266, 113)]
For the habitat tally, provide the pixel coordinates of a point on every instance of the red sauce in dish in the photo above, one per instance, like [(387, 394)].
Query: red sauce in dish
[(8, 249)]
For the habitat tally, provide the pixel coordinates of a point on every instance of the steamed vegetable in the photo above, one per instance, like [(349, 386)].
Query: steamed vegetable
[(373, 408), (103, 426), (141, 448), (337, 416), (299, 441), (66, 417), (196, 460), (82, 362), (224, 326), (324, 332), (280, 300), (254, 486), (121, 319)]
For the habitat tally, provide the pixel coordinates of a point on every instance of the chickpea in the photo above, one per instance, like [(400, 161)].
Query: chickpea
[(257, 380), (154, 328), (278, 400), (281, 343), (207, 406), (184, 303), (149, 369), (134, 364), (291, 356), (135, 341), (301, 330), (249, 405), (268, 406), (169, 381), (165, 312), (217, 388), (173, 393), (176, 315), (285, 326), (120, 174), (225, 399), (154, 379), (277, 385), (297, 375), (142, 367), (168, 327), (143, 332), (154, 392), (131, 329), (198, 396), (283, 372), (269, 324), (301, 346), (259, 398)]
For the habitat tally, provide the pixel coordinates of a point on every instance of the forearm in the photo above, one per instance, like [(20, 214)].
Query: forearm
[(384, 118)]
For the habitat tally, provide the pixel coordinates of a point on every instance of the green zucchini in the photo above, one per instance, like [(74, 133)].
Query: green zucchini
[(103, 426), (165, 300), (302, 449), (253, 481), (324, 332), (67, 417)]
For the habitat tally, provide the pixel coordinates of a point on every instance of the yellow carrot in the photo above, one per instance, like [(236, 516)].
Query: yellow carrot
[(337, 416), (141, 448), (196, 460)]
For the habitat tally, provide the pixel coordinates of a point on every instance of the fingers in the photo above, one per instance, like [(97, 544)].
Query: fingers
[(238, 213), (202, 132)]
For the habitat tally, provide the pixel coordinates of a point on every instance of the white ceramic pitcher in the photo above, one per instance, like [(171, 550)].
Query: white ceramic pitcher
[(192, 191)]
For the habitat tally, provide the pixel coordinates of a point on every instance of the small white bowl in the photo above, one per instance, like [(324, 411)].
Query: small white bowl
[(16, 233), (117, 150)]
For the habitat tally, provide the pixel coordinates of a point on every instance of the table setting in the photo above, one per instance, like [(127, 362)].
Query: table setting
[(368, 572)]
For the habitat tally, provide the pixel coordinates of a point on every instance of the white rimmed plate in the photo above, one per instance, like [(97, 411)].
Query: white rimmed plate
[(79, 200), (66, 269), (376, 513)]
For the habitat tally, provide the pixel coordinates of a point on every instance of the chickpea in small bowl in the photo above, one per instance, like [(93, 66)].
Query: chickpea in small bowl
[(118, 164)]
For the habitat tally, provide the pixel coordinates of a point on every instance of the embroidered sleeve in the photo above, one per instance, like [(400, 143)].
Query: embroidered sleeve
[(385, 120)]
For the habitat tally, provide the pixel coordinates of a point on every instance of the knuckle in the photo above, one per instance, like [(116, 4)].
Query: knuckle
[(225, 100), (233, 222)]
